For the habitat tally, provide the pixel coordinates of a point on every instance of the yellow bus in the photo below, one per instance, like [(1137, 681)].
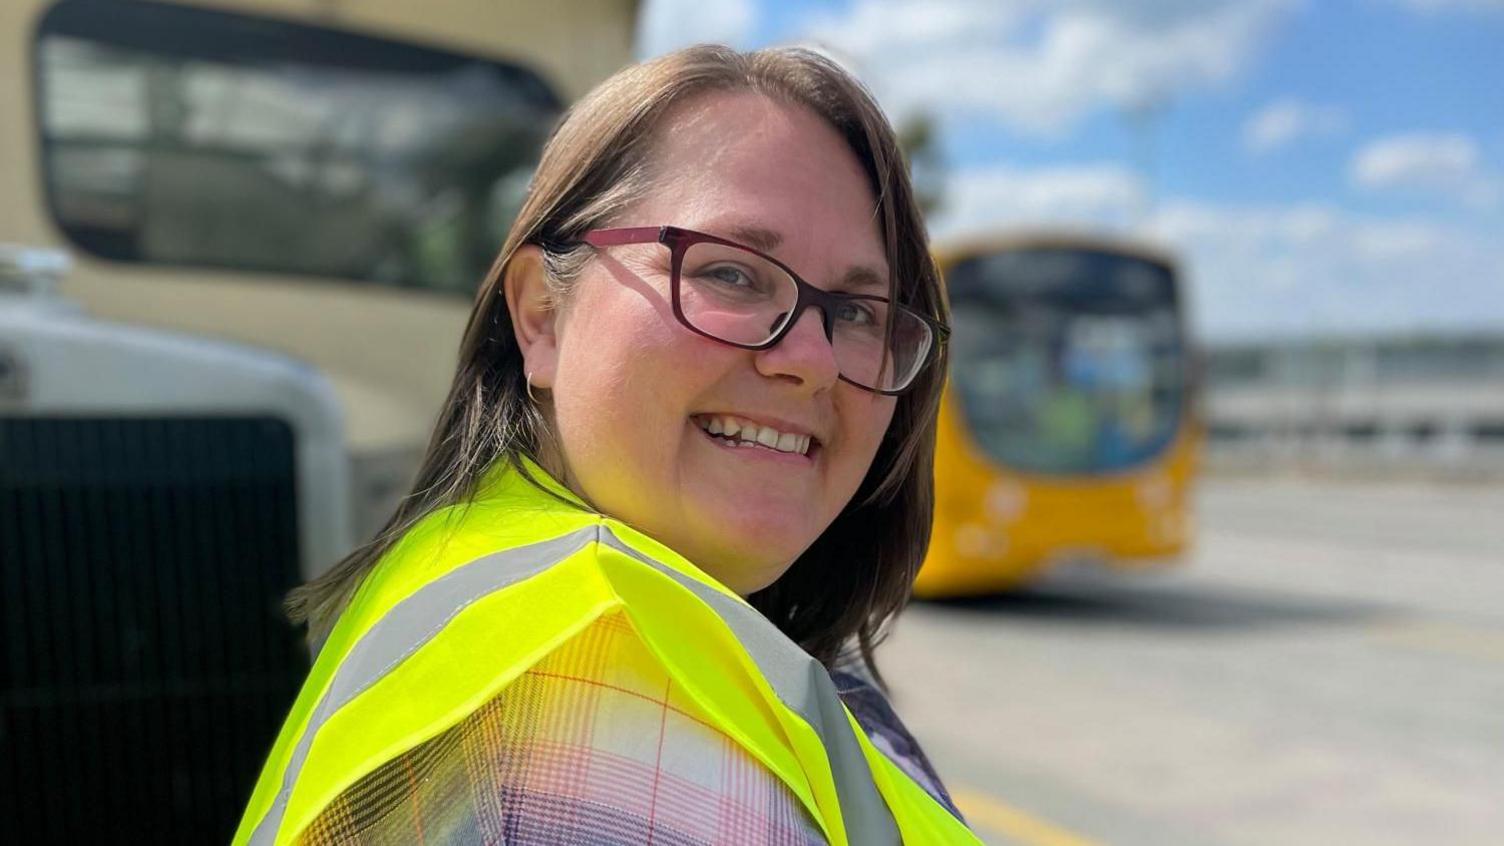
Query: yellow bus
[(1068, 432), (325, 178)]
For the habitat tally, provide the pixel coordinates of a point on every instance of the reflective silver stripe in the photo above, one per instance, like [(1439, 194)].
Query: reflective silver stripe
[(406, 627), (804, 686), (800, 682)]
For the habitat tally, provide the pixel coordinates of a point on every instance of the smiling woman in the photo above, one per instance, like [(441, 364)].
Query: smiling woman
[(682, 482)]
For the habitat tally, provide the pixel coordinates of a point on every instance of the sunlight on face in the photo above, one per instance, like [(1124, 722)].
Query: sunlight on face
[(635, 391)]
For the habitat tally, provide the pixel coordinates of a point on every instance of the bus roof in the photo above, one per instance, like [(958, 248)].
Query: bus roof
[(949, 251)]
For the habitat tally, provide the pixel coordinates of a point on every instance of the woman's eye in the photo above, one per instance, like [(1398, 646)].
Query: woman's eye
[(856, 313), (730, 275)]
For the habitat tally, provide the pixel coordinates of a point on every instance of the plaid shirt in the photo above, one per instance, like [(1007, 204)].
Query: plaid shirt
[(596, 745)]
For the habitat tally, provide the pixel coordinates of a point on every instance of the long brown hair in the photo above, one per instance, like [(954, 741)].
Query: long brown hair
[(843, 590)]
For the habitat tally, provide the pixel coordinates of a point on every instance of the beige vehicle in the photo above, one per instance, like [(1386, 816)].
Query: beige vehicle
[(277, 211), (326, 178)]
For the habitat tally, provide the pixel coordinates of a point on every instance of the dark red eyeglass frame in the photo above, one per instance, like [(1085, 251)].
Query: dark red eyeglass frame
[(679, 240)]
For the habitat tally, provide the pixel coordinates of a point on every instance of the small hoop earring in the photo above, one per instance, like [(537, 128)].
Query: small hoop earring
[(529, 380)]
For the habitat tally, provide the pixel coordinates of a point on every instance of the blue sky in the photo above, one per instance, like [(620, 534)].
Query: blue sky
[(1321, 167)]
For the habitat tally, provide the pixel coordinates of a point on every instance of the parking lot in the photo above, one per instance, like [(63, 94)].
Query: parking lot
[(1327, 668)]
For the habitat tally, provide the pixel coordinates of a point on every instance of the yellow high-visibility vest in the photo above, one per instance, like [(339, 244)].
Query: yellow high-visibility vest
[(515, 573)]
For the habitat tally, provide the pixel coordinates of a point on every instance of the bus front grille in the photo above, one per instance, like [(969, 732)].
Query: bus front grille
[(146, 665)]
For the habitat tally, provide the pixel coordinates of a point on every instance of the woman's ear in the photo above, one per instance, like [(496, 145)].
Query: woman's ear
[(533, 314)]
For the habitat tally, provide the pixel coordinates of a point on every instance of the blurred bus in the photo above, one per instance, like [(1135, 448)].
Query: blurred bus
[(326, 178), (1067, 432)]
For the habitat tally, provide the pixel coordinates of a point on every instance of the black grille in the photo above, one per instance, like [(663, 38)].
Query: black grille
[(146, 663)]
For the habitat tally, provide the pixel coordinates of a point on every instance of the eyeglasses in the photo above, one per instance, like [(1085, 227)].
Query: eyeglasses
[(745, 298)]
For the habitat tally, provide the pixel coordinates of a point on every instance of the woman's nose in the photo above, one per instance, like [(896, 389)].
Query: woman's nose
[(804, 355)]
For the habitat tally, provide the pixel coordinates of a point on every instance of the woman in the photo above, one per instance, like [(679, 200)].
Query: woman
[(700, 380)]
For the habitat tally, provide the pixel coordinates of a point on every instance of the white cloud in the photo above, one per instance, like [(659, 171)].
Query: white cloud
[(1258, 270), (1042, 65), (1096, 196), (666, 25), (1311, 269), (1447, 164), (1287, 120)]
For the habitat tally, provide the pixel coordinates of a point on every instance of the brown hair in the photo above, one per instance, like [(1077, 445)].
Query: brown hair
[(842, 591)]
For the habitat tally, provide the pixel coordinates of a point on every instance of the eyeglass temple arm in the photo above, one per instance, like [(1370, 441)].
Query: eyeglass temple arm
[(617, 237)]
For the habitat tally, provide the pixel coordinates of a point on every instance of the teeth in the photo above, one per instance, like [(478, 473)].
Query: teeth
[(745, 434)]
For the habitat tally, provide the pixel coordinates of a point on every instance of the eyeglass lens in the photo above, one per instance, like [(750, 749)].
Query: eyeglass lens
[(738, 296)]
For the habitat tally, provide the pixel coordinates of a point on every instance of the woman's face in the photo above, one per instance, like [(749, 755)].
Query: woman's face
[(633, 389)]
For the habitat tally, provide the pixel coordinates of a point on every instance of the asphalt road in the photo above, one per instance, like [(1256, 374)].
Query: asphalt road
[(1328, 668)]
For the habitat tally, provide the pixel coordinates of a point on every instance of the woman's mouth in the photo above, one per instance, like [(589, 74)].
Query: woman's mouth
[(739, 432)]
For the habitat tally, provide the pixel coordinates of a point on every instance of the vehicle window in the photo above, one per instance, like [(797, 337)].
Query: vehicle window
[(193, 137), (1067, 361)]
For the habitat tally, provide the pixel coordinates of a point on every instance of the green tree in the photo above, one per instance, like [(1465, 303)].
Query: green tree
[(919, 136)]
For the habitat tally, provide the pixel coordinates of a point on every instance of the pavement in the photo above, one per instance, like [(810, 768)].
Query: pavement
[(1326, 667)]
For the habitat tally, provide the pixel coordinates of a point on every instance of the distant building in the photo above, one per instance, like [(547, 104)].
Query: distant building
[(1429, 404)]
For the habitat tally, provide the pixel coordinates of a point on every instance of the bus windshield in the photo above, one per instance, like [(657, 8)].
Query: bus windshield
[(1067, 360)]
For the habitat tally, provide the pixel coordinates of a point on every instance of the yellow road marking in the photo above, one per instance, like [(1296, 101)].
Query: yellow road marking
[(988, 813)]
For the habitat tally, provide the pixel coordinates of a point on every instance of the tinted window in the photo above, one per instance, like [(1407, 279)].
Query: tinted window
[(1067, 361), (185, 136)]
